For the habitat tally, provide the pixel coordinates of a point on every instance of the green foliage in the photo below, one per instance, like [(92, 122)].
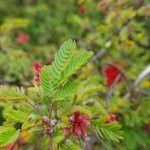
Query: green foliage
[(68, 89), (75, 64), (135, 139), (71, 147), (58, 138), (61, 60), (10, 24), (17, 115), (11, 94), (116, 31), (66, 63), (109, 131), (7, 135), (45, 79)]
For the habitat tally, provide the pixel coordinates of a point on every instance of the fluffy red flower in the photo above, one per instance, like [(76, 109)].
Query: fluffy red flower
[(78, 124), (37, 69), (111, 118), (111, 73), (22, 38)]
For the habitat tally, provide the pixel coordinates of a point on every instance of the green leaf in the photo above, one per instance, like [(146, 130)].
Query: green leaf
[(87, 91), (59, 138), (75, 64), (66, 90), (66, 63), (8, 135), (110, 132), (35, 94), (61, 60), (11, 93), (50, 75), (45, 80), (17, 115)]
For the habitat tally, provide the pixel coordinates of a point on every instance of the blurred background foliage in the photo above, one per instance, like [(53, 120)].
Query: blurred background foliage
[(116, 30), (120, 26)]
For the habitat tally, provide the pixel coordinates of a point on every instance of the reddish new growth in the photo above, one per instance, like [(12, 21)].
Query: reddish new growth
[(111, 74), (37, 69), (22, 38), (111, 118), (81, 10), (13, 146), (19, 142), (147, 127), (78, 125)]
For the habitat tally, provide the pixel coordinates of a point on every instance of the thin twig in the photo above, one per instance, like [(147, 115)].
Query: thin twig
[(86, 145), (130, 88), (34, 107), (50, 110), (35, 125), (98, 55), (49, 116), (74, 100), (51, 142)]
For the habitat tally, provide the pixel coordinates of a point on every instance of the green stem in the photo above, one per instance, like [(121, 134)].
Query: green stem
[(51, 142), (50, 110)]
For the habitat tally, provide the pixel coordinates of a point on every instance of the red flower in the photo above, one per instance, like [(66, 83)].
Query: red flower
[(22, 38), (82, 10), (37, 69), (147, 127), (111, 73), (78, 124), (111, 118)]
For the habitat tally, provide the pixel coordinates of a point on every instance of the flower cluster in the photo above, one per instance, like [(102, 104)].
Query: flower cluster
[(22, 38), (78, 124)]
